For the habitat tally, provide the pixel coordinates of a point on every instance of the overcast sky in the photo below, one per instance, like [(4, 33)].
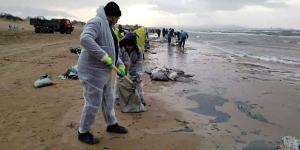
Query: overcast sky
[(249, 13)]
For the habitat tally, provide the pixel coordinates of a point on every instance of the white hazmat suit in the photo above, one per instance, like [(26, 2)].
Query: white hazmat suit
[(134, 62), (97, 42)]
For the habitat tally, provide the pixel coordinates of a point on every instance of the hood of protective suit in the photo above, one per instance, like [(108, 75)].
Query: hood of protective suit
[(101, 13), (95, 48)]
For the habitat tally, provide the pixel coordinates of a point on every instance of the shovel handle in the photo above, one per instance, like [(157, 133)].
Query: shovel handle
[(126, 77)]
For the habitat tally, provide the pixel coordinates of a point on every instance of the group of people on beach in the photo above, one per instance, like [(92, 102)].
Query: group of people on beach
[(180, 36), (169, 34), (12, 27)]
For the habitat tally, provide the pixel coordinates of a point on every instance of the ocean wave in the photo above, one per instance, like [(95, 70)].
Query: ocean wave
[(240, 54), (290, 42), (225, 33), (262, 58), (275, 59), (282, 33)]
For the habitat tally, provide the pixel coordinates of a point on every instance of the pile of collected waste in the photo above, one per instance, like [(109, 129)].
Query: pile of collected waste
[(289, 143), (166, 74), (76, 50), (71, 73), (46, 80)]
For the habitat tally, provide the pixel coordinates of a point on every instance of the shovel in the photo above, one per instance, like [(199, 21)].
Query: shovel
[(126, 77)]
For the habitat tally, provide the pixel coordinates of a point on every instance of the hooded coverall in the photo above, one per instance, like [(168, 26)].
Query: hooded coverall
[(98, 42), (133, 60)]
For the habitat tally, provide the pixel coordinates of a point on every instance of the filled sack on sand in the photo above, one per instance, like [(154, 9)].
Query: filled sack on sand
[(130, 100), (166, 74), (44, 80), (159, 74)]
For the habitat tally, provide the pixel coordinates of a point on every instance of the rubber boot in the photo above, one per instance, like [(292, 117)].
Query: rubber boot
[(87, 138), (116, 129)]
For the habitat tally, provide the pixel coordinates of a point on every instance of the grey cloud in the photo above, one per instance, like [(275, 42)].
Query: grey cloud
[(27, 11), (69, 4), (236, 4), (47, 7), (198, 6), (192, 12), (178, 7), (43, 4)]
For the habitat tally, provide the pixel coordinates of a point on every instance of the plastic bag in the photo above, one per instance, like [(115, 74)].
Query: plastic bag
[(130, 100), (44, 80)]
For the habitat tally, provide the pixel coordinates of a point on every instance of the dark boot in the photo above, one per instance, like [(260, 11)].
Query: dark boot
[(116, 129), (87, 138)]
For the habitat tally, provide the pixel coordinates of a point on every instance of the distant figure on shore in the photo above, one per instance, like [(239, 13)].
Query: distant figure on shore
[(158, 32), (177, 35), (12, 28), (183, 37), (9, 27), (170, 35), (119, 32), (163, 32)]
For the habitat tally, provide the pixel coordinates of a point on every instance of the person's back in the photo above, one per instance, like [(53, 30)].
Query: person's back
[(183, 37), (170, 35), (178, 35)]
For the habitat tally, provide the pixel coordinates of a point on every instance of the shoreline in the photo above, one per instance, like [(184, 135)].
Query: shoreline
[(239, 114), (230, 99)]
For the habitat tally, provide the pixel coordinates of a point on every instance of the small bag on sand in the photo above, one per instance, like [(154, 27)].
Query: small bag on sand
[(44, 80), (130, 101)]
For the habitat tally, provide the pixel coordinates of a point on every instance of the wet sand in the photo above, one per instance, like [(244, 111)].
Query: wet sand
[(225, 106), (233, 103)]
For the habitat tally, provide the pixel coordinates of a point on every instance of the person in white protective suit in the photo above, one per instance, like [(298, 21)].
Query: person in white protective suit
[(133, 61), (100, 52)]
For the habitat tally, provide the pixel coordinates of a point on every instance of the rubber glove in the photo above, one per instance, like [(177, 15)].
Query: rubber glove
[(107, 61), (122, 71)]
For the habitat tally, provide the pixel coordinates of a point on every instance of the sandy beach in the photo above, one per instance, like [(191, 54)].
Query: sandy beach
[(47, 118), (228, 104)]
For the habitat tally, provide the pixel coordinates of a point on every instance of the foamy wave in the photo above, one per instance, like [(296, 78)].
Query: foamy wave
[(227, 51), (275, 59), (263, 58)]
